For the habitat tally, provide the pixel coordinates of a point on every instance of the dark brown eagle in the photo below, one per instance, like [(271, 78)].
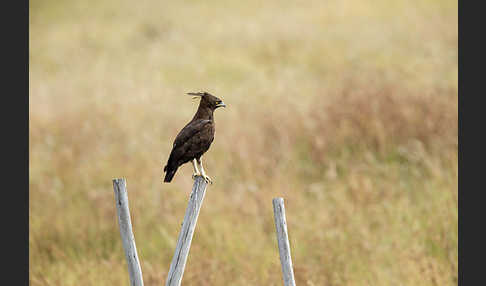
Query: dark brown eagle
[(195, 138)]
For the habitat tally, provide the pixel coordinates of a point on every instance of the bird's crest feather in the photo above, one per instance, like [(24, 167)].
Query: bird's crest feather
[(196, 94)]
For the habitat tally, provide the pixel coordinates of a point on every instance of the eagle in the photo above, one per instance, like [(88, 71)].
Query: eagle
[(195, 138)]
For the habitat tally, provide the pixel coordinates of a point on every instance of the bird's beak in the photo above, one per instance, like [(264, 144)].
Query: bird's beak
[(221, 104)]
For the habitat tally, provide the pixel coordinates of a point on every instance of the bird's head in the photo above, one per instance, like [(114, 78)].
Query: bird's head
[(208, 100)]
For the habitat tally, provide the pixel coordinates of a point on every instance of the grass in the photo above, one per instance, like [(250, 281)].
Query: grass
[(348, 110)]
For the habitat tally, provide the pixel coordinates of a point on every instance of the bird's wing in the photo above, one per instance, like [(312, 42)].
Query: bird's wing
[(187, 142), (189, 131)]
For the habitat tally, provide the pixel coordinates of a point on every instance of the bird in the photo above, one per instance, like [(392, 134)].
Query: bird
[(195, 138)]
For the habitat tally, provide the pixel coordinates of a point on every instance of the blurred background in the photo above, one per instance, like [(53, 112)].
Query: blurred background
[(347, 109)]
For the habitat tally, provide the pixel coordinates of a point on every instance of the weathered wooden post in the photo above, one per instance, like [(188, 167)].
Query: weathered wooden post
[(178, 263), (283, 241), (121, 200)]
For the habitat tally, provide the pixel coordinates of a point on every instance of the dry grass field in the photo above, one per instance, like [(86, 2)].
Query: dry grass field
[(347, 109)]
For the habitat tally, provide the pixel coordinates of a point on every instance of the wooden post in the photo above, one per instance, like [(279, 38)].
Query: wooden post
[(283, 241), (121, 200), (178, 263)]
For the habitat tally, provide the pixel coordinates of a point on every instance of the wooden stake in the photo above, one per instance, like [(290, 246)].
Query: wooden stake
[(283, 241), (121, 200)]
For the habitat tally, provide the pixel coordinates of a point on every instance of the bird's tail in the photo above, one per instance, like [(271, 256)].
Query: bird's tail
[(170, 172)]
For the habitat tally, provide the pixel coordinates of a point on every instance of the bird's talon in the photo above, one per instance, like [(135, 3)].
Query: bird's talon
[(208, 180), (195, 175)]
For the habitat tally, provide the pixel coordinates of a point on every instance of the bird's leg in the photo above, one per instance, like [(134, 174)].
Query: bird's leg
[(196, 171), (206, 177)]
